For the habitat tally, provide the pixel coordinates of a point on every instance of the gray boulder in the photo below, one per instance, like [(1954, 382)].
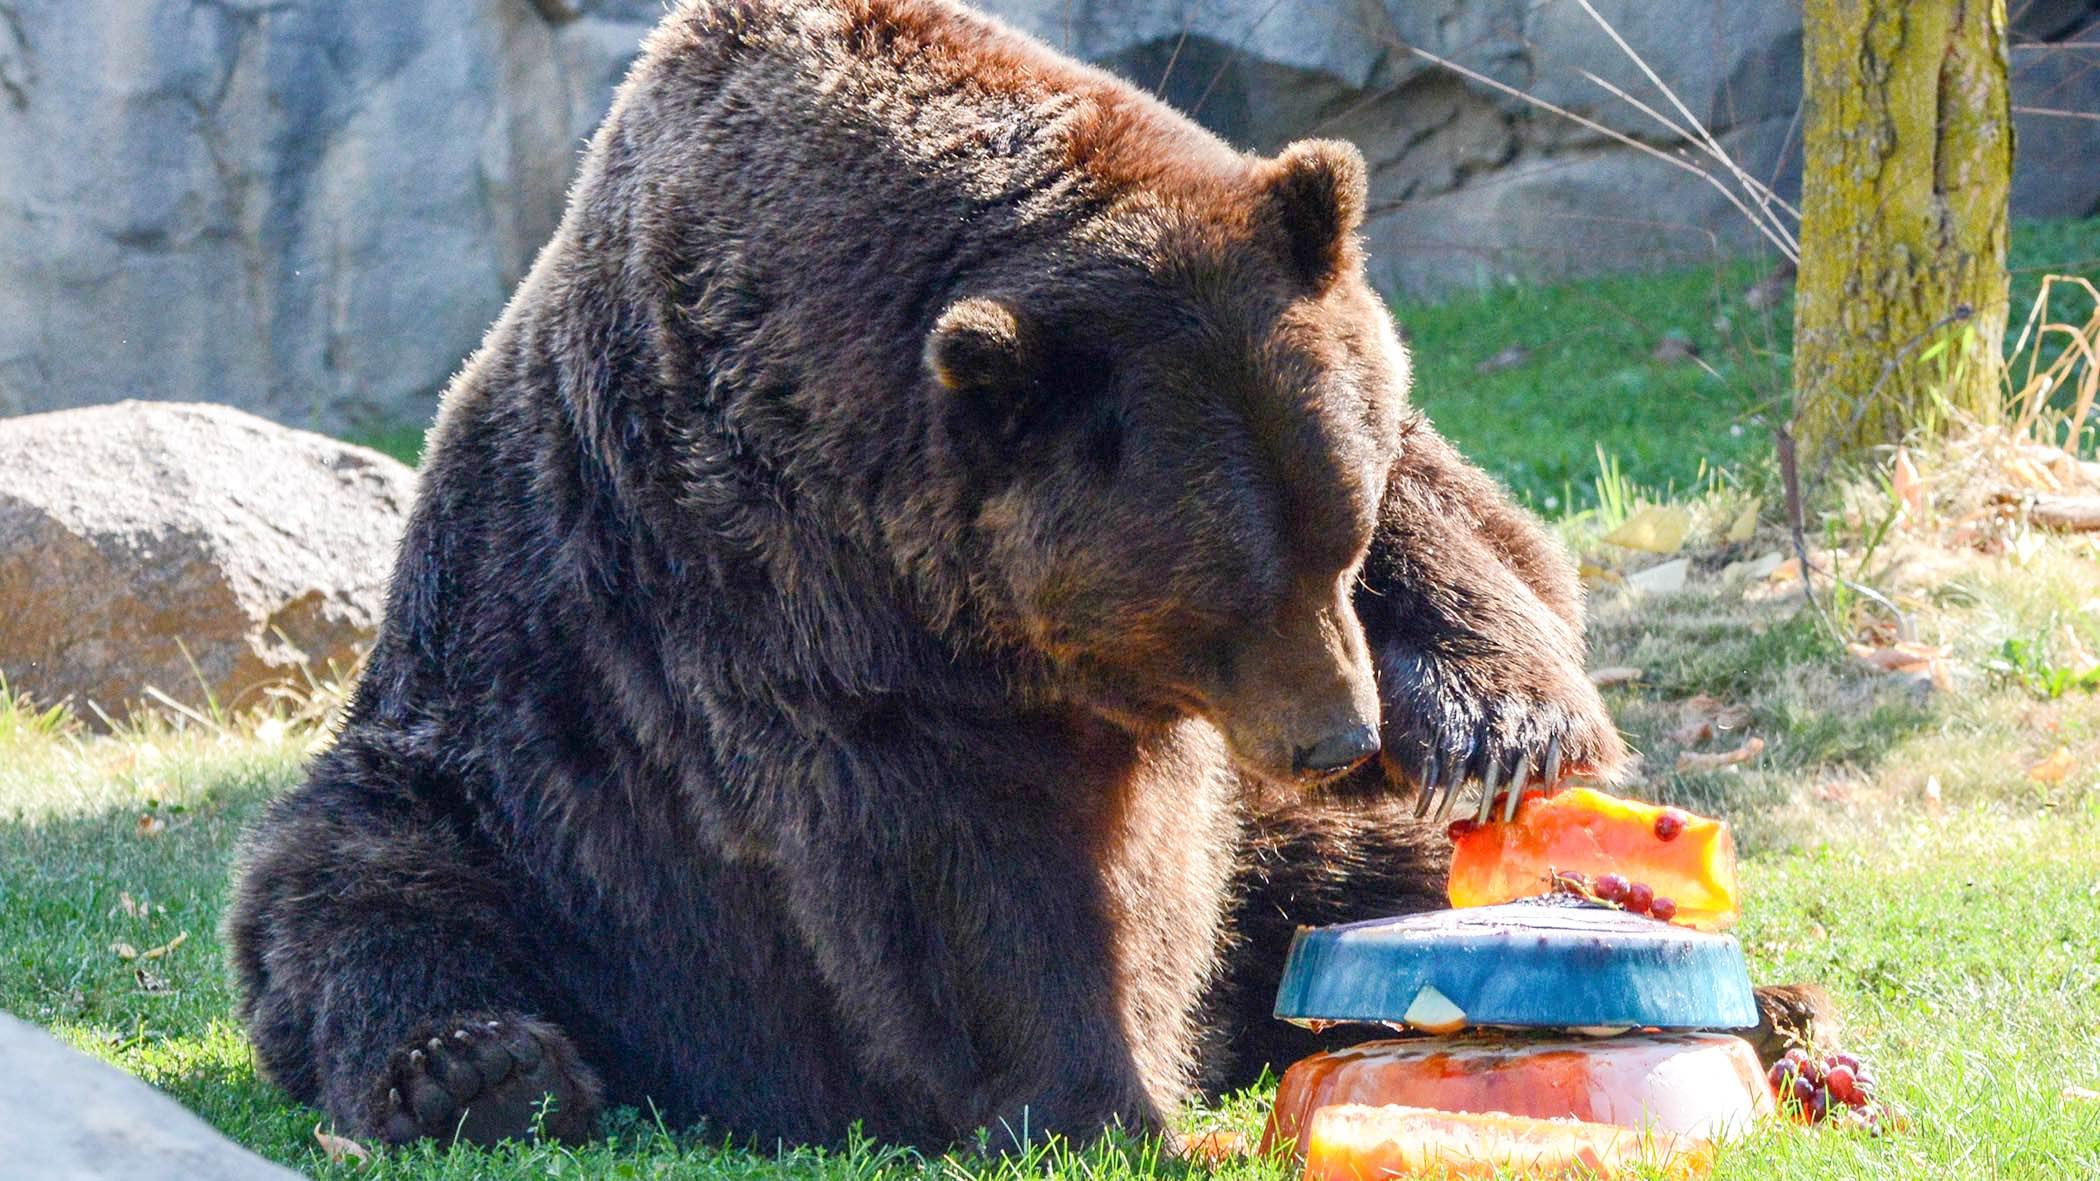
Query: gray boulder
[(187, 548), (66, 1117)]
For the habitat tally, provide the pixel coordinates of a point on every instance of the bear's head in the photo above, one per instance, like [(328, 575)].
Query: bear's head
[(1178, 438)]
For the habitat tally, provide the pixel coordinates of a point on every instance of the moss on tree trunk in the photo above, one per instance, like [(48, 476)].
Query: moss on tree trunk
[(1908, 148)]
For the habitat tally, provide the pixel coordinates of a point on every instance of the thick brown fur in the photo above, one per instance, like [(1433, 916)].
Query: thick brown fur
[(886, 604)]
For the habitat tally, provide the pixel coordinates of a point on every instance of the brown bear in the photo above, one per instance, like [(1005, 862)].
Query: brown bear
[(930, 578)]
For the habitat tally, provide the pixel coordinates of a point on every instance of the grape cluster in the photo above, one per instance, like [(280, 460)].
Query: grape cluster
[(1614, 890), (1826, 1088)]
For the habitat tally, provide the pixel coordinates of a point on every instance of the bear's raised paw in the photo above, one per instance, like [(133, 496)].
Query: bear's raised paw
[(485, 1078)]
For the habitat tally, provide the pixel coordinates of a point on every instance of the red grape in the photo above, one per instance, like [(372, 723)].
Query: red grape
[(1638, 897), (1611, 887), (1663, 908), (1459, 828), (1670, 823), (1803, 1089), (1839, 1078), (1777, 1075), (1818, 1106), (1846, 1060)]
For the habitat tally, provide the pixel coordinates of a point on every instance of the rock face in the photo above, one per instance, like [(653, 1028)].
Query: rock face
[(186, 547), (313, 209), (66, 1117), (305, 207)]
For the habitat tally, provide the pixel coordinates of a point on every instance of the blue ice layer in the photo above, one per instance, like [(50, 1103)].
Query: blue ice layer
[(1535, 963)]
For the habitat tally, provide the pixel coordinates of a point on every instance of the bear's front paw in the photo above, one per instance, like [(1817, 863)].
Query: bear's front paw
[(483, 1079), (1514, 724)]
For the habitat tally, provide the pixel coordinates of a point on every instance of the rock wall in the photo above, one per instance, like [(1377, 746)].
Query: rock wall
[(313, 209), (303, 207)]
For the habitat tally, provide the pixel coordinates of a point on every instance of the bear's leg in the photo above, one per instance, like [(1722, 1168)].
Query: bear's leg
[(970, 956), (378, 962), (1473, 617)]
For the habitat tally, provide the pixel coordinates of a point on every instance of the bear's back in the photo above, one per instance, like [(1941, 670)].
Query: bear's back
[(971, 105)]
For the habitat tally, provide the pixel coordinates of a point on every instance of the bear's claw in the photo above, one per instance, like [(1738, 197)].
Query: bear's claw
[(1440, 738), (1545, 773), (486, 1081)]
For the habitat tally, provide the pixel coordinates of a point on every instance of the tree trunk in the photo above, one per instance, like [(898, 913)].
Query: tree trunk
[(1908, 144)]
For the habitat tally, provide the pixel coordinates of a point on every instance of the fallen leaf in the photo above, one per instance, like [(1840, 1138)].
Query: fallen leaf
[(2082, 1094), (1596, 577), (1617, 674), (1508, 358), (1212, 1148), (1666, 579), (154, 953), (1692, 760), (149, 981), (1907, 658), (150, 825), (1909, 487), (131, 907), (2076, 654), (1674, 349), (1754, 569), (1787, 570), (1656, 528), (341, 1148), (124, 951), (1745, 526), (1701, 717), (2023, 472), (2054, 769)]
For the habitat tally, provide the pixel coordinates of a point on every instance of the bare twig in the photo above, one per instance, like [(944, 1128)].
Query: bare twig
[(1677, 162), (1790, 473), (1705, 138), (2056, 113)]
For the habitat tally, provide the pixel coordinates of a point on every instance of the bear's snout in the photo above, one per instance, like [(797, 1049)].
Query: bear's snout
[(1301, 704), (1340, 751)]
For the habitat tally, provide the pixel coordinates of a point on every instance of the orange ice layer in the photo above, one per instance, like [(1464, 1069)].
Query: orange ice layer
[(1675, 1088), (1355, 1143), (1588, 832)]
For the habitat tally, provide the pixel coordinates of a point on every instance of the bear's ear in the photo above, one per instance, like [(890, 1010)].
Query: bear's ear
[(983, 348), (1316, 196)]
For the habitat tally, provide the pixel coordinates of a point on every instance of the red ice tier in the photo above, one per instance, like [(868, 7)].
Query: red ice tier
[(1684, 1090)]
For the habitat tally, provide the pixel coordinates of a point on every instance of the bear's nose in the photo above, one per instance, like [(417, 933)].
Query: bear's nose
[(1336, 752)]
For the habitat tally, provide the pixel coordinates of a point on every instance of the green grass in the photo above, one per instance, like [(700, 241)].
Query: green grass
[(403, 442), (1590, 380)]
